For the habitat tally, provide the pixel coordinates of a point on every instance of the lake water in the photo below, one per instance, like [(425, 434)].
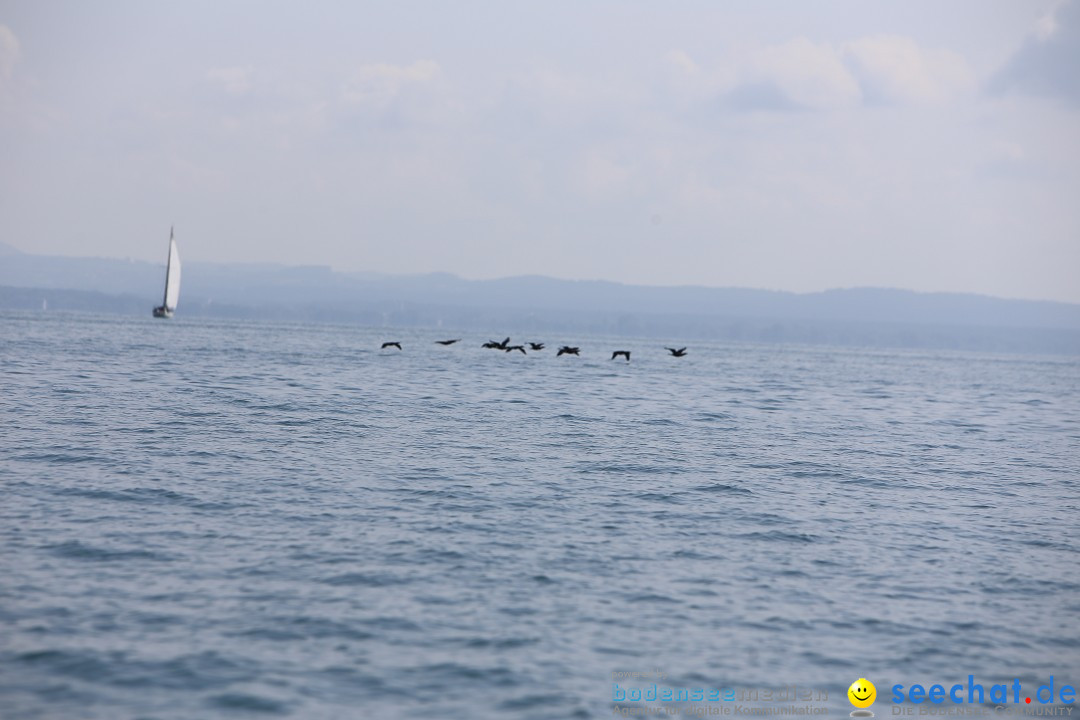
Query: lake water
[(206, 520)]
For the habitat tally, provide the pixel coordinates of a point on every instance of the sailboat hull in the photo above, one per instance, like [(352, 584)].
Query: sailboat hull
[(162, 312)]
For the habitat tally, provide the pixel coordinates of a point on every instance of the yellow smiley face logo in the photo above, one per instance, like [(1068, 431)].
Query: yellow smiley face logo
[(862, 693)]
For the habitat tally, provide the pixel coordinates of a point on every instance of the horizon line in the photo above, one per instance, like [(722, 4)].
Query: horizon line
[(332, 269)]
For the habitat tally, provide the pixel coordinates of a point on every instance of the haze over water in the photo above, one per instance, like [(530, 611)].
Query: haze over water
[(245, 519)]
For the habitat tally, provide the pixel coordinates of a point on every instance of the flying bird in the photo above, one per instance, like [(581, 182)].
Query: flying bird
[(497, 345), (624, 353), (536, 346), (567, 350), (390, 344), (677, 353), (447, 342), (508, 348)]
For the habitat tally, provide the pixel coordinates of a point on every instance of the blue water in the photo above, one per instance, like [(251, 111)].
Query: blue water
[(205, 520)]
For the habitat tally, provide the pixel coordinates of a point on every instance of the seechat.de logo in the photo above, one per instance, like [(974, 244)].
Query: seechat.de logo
[(974, 693)]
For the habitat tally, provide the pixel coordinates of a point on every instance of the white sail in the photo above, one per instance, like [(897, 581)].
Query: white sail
[(172, 278)]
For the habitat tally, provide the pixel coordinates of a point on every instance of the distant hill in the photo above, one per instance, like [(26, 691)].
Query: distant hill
[(860, 316)]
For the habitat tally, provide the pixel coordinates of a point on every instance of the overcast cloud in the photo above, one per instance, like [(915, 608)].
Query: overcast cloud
[(797, 146)]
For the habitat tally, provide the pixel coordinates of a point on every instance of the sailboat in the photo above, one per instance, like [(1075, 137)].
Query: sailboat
[(172, 282)]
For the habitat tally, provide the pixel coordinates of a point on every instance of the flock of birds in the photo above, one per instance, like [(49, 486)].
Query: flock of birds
[(505, 346)]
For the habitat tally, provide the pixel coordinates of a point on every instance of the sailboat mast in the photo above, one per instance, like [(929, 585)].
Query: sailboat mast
[(168, 265)]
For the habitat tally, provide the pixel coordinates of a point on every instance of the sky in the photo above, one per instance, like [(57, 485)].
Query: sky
[(783, 145)]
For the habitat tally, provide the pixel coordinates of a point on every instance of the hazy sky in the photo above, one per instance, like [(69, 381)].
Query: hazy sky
[(790, 145)]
